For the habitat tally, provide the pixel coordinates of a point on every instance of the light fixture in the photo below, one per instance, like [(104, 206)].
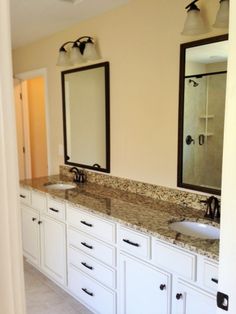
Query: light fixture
[(80, 50), (194, 24), (222, 16)]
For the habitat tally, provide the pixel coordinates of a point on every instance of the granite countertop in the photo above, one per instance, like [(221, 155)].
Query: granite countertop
[(139, 212)]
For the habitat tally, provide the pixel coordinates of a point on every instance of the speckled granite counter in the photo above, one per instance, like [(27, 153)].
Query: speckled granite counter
[(139, 212)]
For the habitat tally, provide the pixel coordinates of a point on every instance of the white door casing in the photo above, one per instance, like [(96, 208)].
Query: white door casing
[(11, 264), (24, 76), (227, 274)]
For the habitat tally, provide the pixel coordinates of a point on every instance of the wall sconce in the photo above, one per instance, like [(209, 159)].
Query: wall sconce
[(222, 16), (194, 24), (82, 49)]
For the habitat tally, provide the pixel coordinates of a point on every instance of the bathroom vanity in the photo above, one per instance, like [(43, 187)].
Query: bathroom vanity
[(114, 252)]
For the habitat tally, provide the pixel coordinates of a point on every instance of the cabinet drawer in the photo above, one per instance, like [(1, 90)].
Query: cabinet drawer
[(25, 196), (175, 260), (99, 298), (210, 275), (38, 201), (86, 222), (89, 245), (56, 209), (134, 243), (91, 267)]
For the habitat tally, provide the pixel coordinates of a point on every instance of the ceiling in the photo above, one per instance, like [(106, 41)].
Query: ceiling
[(211, 53), (32, 20)]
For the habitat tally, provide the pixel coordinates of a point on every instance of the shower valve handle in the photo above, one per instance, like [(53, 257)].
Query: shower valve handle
[(189, 140)]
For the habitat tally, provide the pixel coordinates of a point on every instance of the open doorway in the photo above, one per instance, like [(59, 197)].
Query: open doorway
[(32, 128)]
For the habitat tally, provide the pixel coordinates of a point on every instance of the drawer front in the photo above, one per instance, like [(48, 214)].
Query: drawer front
[(91, 246), (99, 298), (135, 243), (38, 201), (210, 275), (56, 209), (25, 196), (92, 267), (91, 224), (175, 260)]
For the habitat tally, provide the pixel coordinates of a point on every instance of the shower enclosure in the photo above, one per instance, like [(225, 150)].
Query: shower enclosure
[(203, 128)]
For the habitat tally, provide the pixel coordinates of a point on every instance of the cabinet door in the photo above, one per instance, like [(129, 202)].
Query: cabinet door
[(191, 300), (30, 234), (53, 248), (143, 288)]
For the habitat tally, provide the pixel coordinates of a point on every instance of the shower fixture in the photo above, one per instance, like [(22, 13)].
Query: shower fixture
[(195, 84)]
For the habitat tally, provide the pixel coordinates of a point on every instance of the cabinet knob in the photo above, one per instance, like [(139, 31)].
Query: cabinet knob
[(179, 296), (33, 218), (39, 222), (162, 287)]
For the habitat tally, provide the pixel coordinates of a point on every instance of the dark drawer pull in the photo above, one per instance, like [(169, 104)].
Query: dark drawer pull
[(179, 296), (87, 266), (131, 243), (54, 210), (22, 196), (86, 245), (162, 287), (214, 280), (86, 223), (40, 222), (33, 218), (86, 291)]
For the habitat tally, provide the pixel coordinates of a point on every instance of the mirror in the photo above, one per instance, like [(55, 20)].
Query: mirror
[(86, 117), (203, 71)]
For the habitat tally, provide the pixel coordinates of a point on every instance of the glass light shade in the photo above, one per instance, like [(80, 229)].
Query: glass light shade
[(63, 58), (222, 16), (90, 52), (194, 24), (75, 56)]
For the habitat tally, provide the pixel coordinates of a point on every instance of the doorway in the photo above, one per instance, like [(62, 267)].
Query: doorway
[(32, 127)]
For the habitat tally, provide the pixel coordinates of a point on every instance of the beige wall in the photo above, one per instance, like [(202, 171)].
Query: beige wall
[(37, 123), (141, 41)]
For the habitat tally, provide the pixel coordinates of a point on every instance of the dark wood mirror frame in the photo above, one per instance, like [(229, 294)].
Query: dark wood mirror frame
[(183, 48), (106, 67)]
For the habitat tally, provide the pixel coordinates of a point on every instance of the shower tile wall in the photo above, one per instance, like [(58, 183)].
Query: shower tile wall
[(205, 99)]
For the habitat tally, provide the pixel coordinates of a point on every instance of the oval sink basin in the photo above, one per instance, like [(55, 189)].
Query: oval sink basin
[(60, 186), (196, 229)]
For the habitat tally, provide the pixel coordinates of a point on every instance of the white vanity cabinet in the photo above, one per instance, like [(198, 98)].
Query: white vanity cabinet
[(189, 299), (53, 248), (192, 291), (143, 288), (112, 268), (92, 260), (30, 234), (43, 236)]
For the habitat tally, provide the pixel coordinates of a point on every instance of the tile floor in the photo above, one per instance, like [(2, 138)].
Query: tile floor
[(45, 297)]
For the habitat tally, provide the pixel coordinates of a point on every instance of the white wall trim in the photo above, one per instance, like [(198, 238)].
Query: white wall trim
[(11, 262), (43, 73)]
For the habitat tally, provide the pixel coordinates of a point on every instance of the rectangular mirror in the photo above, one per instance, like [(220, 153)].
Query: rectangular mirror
[(86, 116), (203, 71)]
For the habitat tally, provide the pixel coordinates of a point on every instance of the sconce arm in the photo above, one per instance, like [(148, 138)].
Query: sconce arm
[(63, 46)]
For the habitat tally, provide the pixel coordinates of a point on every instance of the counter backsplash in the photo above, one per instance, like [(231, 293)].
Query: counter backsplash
[(154, 191)]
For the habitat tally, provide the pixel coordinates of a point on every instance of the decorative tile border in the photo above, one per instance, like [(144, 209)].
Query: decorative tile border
[(175, 196)]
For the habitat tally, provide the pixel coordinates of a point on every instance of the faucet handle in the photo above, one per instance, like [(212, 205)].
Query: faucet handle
[(213, 207)]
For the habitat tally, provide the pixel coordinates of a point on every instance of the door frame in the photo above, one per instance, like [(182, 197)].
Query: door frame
[(24, 76)]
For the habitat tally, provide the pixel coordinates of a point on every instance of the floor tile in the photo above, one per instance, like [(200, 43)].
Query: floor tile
[(43, 296)]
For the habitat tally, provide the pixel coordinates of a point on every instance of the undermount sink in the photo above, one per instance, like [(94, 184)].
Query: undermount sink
[(60, 186), (196, 229)]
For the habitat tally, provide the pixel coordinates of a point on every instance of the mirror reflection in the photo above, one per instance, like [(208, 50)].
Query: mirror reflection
[(86, 116), (202, 105)]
